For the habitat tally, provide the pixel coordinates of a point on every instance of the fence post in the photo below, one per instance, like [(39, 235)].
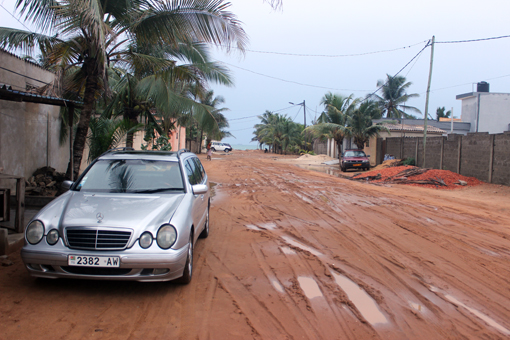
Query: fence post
[(459, 153), (416, 153), (491, 158), (442, 154)]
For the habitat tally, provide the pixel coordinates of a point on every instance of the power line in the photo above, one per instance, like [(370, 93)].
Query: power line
[(286, 108), (12, 15), (330, 55), (410, 61), (19, 74), (290, 81), (297, 114), (472, 40)]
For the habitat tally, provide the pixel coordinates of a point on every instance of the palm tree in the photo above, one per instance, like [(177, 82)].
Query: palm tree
[(106, 134), (139, 86), (394, 96), (261, 130), (89, 34), (440, 113), (216, 130), (332, 123), (277, 131), (360, 123)]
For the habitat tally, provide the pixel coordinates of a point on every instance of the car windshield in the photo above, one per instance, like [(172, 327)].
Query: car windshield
[(132, 176), (354, 154)]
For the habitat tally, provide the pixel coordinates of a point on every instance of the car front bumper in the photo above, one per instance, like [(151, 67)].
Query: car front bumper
[(355, 166), (135, 265)]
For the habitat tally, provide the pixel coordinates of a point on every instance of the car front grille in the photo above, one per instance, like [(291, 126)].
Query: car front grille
[(96, 271), (97, 239)]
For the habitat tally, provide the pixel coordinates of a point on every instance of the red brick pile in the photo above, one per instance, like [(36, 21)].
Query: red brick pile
[(430, 178)]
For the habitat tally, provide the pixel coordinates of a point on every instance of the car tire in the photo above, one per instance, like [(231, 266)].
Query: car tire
[(213, 149), (188, 267), (205, 232), (342, 169)]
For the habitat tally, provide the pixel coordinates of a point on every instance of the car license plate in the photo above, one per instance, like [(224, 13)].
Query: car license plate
[(356, 165), (93, 261)]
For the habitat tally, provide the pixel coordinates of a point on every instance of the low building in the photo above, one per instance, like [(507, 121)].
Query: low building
[(486, 111), (397, 130)]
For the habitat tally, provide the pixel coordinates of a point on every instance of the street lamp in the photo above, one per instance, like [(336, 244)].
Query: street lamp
[(304, 108)]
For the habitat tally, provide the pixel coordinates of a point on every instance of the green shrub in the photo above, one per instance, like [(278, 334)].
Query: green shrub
[(409, 161)]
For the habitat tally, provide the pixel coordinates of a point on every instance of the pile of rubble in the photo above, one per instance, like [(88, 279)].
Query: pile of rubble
[(45, 181), (411, 175)]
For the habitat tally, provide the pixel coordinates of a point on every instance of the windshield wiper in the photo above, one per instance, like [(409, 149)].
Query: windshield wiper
[(148, 191)]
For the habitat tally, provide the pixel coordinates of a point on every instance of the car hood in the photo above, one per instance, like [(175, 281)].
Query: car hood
[(111, 210)]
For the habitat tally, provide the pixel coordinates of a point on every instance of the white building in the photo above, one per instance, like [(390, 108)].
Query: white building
[(487, 112)]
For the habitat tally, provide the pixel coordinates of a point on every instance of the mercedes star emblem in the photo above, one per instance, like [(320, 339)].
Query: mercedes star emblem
[(99, 217)]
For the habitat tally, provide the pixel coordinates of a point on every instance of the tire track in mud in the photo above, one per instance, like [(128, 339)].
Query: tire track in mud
[(320, 215)]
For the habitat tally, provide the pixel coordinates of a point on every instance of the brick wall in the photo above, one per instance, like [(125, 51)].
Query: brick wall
[(501, 162), (479, 154), (476, 155)]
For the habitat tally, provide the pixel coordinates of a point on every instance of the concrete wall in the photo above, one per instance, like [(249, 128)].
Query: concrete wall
[(481, 155), (29, 133)]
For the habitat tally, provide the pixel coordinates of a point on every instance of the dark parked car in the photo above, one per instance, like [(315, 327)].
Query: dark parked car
[(132, 215), (354, 159)]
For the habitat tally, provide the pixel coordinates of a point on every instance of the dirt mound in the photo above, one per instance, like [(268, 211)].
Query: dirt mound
[(388, 164), (308, 157), (411, 175)]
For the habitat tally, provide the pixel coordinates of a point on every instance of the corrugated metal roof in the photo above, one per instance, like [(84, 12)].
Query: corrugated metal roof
[(413, 128), (7, 93)]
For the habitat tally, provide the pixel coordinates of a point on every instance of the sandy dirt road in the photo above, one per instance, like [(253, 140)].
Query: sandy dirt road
[(297, 254)]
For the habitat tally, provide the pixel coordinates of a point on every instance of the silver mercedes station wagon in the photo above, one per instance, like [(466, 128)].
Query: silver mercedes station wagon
[(131, 215)]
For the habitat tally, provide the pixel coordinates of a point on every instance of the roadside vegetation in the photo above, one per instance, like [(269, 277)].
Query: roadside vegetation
[(343, 117), (133, 61)]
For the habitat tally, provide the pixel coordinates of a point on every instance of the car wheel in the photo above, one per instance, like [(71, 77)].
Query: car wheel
[(342, 168), (205, 232), (188, 267), (213, 149)]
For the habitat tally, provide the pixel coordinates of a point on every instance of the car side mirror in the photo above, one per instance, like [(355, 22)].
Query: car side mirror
[(200, 189), (67, 184)]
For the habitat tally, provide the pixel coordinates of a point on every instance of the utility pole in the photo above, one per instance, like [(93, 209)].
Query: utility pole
[(304, 110), (427, 102)]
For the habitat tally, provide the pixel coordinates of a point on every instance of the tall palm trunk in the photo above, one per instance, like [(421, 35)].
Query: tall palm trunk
[(339, 143), (89, 107)]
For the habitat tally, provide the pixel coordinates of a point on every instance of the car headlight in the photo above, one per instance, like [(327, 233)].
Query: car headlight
[(35, 232), (145, 240), (52, 237), (166, 236)]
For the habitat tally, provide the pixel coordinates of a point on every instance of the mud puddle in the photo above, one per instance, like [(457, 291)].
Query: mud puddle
[(363, 302)]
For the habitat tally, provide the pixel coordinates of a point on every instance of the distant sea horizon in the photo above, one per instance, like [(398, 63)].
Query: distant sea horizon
[(244, 146)]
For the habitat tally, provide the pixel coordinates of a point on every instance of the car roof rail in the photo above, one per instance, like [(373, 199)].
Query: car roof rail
[(118, 149), (182, 151)]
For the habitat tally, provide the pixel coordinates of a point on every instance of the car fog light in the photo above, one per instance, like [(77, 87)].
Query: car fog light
[(35, 232), (146, 240), (52, 237), (166, 236), (159, 271)]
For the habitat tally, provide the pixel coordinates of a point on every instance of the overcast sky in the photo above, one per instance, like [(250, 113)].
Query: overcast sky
[(270, 74)]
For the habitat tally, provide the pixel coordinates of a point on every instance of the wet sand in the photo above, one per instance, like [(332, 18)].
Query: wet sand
[(300, 254)]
